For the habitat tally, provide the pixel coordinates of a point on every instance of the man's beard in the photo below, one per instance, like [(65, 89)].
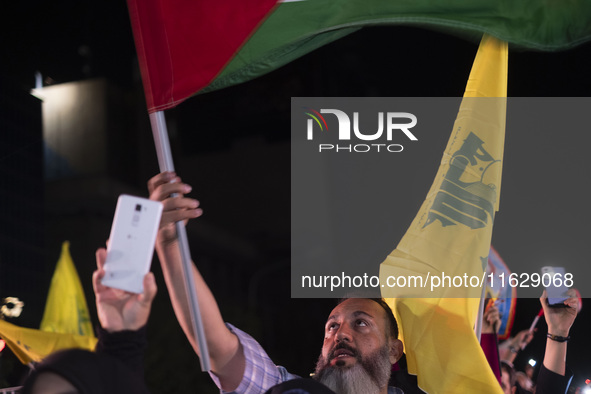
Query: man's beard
[(368, 375)]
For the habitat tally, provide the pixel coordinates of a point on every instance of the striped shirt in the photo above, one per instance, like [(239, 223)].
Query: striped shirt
[(260, 372)]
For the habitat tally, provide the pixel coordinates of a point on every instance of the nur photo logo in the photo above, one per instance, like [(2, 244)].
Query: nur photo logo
[(332, 132)]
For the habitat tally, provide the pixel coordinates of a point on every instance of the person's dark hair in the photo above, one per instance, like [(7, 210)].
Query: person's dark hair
[(505, 366), (391, 324), (89, 373)]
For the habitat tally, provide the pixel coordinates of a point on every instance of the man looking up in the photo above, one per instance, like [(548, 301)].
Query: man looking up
[(360, 342), (360, 346)]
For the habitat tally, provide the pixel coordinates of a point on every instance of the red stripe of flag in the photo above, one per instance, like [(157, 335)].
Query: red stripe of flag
[(182, 45)]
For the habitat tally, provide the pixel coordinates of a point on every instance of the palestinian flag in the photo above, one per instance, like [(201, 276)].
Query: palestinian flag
[(189, 47)]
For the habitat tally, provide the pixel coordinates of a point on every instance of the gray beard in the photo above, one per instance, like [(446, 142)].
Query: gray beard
[(368, 375)]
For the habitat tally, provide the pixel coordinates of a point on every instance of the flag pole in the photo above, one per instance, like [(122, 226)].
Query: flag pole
[(478, 325), (158, 122)]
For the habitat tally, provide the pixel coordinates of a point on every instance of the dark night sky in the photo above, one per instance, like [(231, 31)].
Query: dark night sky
[(72, 40)]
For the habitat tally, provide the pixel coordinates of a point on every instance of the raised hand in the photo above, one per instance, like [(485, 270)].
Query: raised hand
[(522, 339), (561, 319), (175, 209), (117, 309), (491, 320)]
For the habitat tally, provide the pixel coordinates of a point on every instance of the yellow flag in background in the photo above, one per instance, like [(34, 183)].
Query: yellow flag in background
[(29, 344), (65, 324), (450, 238), (66, 311)]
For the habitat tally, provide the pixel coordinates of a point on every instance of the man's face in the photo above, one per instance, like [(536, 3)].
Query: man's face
[(356, 326), (355, 338)]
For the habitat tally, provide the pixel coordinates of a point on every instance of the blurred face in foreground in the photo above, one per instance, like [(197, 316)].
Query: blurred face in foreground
[(52, 383), (357, 354)]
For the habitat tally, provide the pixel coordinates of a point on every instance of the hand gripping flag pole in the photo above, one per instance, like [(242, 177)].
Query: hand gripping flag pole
[(158, 122)]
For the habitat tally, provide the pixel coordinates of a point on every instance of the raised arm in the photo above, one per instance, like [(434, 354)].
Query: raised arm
[(226, 355), (559, 321), (509, 349), (123, 317)]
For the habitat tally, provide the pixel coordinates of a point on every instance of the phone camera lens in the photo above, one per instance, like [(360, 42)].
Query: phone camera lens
[(138, 207)]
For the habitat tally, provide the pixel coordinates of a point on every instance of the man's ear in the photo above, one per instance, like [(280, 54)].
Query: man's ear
[(396, 350)]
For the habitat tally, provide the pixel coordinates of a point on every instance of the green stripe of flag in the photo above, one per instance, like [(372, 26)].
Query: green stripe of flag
[(298, 27)]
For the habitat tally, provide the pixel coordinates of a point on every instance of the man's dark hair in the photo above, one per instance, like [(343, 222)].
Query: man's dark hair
[(505, 366), (391, 324)]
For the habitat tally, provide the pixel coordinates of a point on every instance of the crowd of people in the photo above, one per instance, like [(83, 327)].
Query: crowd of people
[(554, 376), (361, 352)]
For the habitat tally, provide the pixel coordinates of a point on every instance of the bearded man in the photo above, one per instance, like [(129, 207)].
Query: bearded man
[(360, 345), (360, 341)]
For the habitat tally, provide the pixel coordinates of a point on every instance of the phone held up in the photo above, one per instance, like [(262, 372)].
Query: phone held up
[(131, 243), (556, 294)]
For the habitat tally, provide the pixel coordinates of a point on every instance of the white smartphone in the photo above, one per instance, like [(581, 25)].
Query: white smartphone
[(556, 294), (131, 243)]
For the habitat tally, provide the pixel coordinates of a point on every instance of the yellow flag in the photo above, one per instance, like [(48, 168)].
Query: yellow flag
[(29, 344), (66, 321), (66, 311), (446, 247)]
